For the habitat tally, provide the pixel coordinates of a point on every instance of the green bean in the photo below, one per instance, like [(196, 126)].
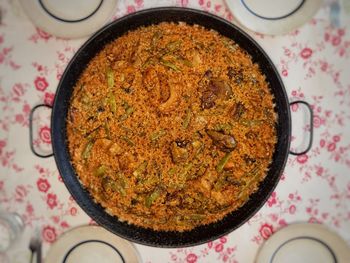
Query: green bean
[(229, 45), (120, 184), (172, 171), (129, 110), (200, 171), (149, 61), (122, 180), (127, 140), (140, 169), (117, 187), (253, 174), (155, 38), (187, 168), (198, 147), (87, 150), (169, 65), (228, 59), (151, 180), (127, 113), (152, 197), (225, 179), (101, 170), (234, 181), (107, 130), (90, 135), (187, 119), (174, 45), (112, 103), (194, 217), (156, 135), (110, 78), (219, 184), (250, 123), (223, 162), (85, 99), (186, 62), (125, 104)]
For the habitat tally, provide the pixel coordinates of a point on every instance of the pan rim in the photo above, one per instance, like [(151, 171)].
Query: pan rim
[(58, 138)]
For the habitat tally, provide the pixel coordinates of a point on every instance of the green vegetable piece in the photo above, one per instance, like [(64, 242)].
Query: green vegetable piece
[(118, 184), (85, 99), (169, 65), (127, 140), (186, 62), (110, 78), (140, 169), (198, 147), (252, 176), (174, 45), (112, 103), (87, 150), (250, 123), (92, 134), (121, 183), (127, 113), (156, 135), (187, 119), (151, 180), (152, 197), (172, 171), (185, 171), (149, 61), (201, 171), (125, 104), (229, 45), (121, 191), (225, 179), (107, 130), (155, 38), (115, 186), (223, 162), (194, 217), (101, 170)]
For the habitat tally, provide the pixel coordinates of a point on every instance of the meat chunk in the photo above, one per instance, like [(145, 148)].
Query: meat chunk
[(225, 142), (220, 88), (217, 89), (178, 154)]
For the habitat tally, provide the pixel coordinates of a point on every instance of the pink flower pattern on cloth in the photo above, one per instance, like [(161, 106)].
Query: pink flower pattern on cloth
[(313, 62)]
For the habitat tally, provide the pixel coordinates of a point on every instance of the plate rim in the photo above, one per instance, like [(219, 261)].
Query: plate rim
[(95, 231), (319, 231), (62, 28), (281, 26)]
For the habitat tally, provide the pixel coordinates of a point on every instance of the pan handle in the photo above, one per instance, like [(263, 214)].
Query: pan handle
[(32, 148), (311, 126)]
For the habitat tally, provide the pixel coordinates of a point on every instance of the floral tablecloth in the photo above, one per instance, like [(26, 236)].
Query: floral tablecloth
[(314, 63)]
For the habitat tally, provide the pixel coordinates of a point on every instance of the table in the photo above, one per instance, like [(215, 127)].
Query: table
[(313, 62)]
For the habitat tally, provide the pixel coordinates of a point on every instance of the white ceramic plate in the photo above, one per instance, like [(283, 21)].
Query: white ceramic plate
[(69, 18), (311, 243), (273, 17), (91, 244)]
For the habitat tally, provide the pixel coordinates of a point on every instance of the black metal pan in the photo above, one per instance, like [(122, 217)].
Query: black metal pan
[(59, 137)]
